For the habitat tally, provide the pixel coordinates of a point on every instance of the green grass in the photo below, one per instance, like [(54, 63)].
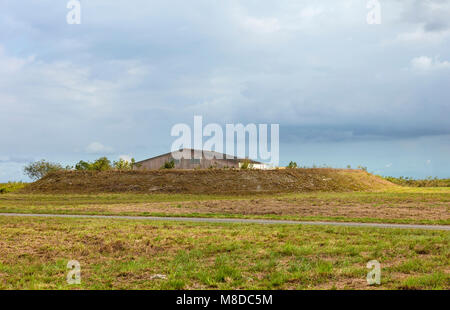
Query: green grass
[(391, 195), (62, 211), (102, 204), (123, 254), (428, 182), (11, 187)]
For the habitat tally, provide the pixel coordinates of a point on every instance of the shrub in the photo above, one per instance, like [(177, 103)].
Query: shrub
[(363, 168), (169, 164), (101, 164), (83, 165), (122, 164), (292, 165), (40, 169), (246, 164)]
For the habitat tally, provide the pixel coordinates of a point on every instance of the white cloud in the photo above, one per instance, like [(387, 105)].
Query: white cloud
[(125, 157), (424, 63), (98, 148), (388, 165)]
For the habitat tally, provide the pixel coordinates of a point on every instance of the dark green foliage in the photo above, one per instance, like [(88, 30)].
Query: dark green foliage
[(101, 164), (292, 165), (82, 165), (169, 164)]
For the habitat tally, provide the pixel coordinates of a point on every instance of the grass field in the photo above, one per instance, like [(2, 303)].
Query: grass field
[(125, 254), (404, 205)]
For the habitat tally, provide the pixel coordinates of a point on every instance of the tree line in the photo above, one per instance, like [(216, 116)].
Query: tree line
[(41, 168)]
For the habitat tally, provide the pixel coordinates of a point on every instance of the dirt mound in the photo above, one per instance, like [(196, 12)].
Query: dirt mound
[(209, 181)]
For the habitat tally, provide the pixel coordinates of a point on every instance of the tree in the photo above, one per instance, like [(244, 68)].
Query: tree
[(39, 169), (122, 164), (292, 165), (101, 164), (82, 165)]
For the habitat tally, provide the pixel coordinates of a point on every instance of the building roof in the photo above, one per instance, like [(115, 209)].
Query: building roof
[(209, 154)]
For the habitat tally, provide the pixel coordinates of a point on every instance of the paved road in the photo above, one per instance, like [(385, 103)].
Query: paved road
[(231, 220)]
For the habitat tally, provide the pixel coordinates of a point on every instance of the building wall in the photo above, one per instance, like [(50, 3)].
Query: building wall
[(158, 162)]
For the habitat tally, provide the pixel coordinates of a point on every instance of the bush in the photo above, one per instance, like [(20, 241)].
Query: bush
[(83, 165), (246, 164), (122, 164), (363, 168), (169, 165), (292, 165), (101, 164), (40, 169)]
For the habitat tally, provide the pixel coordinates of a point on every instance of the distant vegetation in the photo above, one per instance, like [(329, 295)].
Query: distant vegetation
[(428, 182), (246, 164), (39, 169), (292, 164), (104, 164)]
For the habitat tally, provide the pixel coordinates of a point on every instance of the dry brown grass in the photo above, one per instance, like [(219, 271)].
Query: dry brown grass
[(423, 206), (284, 207), (210, 181)]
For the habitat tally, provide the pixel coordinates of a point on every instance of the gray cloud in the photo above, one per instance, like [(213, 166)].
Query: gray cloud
[(432, 14), (128, 73)]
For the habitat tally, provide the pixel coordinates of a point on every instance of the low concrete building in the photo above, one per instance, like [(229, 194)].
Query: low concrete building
[(196, 159)]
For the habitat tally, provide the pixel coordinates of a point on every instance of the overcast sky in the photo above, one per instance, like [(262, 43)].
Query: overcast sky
[(344, 92)]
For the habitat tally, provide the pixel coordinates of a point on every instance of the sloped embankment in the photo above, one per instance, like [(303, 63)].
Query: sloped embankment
[(209, 181)]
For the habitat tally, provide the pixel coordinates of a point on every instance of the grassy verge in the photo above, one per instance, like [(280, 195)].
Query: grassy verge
[(56, 210), (11, 187), (391, 195), (124, 254), (428, 182), (404, 206)]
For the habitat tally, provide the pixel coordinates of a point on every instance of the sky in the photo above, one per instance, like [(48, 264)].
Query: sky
[(343, 91)]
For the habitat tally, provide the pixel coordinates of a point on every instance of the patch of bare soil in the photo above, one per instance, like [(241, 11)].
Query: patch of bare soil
[(209, 181)]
